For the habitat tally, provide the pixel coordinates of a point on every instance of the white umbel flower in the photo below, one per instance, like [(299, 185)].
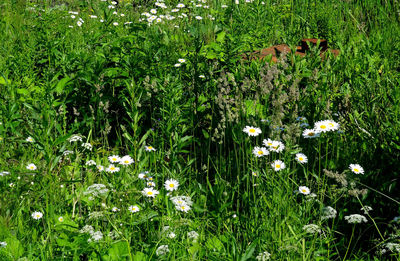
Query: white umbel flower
[(162, 250), (312, 229), (356, 219), (328, 213)]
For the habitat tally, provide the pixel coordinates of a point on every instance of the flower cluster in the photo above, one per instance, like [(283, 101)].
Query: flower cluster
[(321, 127)]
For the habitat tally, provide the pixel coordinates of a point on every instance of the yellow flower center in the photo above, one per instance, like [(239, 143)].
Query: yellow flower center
[(149, 193), (275, 147), (112, 168), (171, 185), (252, 130), (277, 166), (182, 207), (149, 147), (323, 127), (31, 167), (114, 159), (301, 159), (260, 152), (356, 170), (311, 134), (126, 161), (304, 191), (331, 124)]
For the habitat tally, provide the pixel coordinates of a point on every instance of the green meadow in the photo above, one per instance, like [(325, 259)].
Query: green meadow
[(151, 130)]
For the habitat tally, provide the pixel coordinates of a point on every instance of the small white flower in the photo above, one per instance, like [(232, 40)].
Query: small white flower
[(79, 23), (29, 139), (224, 6), (37, 215), (202, 76), (90, 163), (180, 5), (304, 190), (31, 166), (87, 146), (193, 235), (264, 256), (177, 65), (277, 146), (301, 158), (60, 219), (171, 184), (153, 11), (143, 175), (3, 244), (312, 229), (260, 151), (310, 133), (93, 16), (162, 250), (252, 131), (183, 207), (150, 192), (115, 209), (151, 184), (278, 165), (100, 168), (111, 168), (171, 235), (73, 16), (322, 126), (149, 148), (355, 219), (366, 209), (198, 17), (356, 168), (133, 209), (126, 160), (114, 159), (174, 10), (181, 60), (328, 213), (96, 236)]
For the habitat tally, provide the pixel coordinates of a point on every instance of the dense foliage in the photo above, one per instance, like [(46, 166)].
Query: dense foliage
[(225, 158)]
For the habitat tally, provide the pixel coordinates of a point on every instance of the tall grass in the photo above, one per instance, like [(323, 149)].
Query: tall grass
[(121, 89)]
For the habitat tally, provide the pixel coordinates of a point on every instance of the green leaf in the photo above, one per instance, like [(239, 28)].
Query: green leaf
[(61, 84), (249, 251)]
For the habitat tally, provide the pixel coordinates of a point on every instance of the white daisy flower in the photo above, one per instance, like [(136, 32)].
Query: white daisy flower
[(321, 126), (268, 142), (79, 23), (126, 160), (31, 166), (183, 207), (181, 60), (177, 65), (180, 5), (310, 133), (150, 192), (171, 184), (29, 139), (60, 219), (37, 215), (93, 16), (143, 175), (114, 159), (111, 168), (100, 168), (356, 168), (277, 146), (278, 165), (3, 244), (133, 209), (252, 131), (198, 17), (115, 209), (260, 151), (115, 23), (301, 158), (153, 11), (304, 190), (149, 148), (332, 125), (151, 184), (175, 10)]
